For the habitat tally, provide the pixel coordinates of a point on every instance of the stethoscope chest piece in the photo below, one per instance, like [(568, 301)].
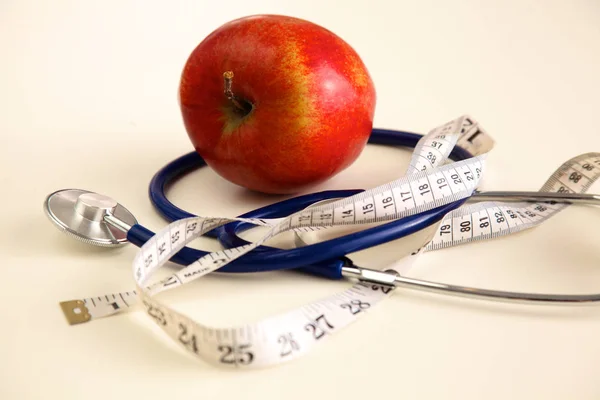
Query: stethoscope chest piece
[(89, 217)]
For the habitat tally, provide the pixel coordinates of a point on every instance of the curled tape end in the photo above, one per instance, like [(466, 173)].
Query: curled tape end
[(75, 311), (476, 141)]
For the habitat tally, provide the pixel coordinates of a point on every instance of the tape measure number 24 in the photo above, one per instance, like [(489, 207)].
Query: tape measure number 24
[(431, 181)]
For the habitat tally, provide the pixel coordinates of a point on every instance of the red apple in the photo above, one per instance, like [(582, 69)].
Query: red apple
[(276, 104)]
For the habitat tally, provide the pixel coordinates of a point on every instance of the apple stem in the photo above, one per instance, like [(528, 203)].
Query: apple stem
[(242, 106)]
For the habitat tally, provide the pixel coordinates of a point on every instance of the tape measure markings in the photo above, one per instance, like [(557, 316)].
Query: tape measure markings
[(517, 216), (435, 141)]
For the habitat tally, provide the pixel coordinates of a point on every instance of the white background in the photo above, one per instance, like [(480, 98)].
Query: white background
[(88, 99)]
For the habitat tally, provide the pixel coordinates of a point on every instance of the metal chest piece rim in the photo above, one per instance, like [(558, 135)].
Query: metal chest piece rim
[(86, 216)]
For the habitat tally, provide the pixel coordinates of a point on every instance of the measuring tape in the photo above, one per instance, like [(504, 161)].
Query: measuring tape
[(429, 183)]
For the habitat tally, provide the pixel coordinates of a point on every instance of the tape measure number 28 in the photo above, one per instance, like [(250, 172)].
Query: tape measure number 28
[(431, 181)]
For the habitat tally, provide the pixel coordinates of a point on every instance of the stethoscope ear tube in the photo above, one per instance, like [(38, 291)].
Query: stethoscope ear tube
[(167, 175), (325, 259), (138, 235), (192, 161), (330, 269), (317, 259)]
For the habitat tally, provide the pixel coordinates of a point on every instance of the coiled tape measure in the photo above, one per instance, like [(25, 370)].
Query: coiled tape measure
[(429, 183)]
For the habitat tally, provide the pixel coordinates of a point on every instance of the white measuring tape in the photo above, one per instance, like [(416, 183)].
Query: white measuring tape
[(429, 184)]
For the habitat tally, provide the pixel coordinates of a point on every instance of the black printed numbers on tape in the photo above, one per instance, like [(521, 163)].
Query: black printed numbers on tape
[(156, 313), (188, 340), (288, 344), (319, 327), (239, 354), (355, 306)]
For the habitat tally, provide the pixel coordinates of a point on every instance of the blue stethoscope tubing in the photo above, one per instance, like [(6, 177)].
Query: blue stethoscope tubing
[(324, 259)]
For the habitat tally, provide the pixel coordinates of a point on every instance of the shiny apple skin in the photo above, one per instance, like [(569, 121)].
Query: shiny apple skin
[(313, 103)]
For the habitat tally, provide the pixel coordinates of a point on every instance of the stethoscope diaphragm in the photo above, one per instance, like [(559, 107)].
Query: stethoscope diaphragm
[(89, 217)]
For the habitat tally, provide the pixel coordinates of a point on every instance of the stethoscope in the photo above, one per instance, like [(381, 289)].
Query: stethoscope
[(99, 220)]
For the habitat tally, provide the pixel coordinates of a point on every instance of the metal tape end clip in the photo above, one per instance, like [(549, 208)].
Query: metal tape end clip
[(75, 311), (474, 138)]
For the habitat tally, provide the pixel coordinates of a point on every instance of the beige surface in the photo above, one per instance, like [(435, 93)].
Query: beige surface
[(89, 100)]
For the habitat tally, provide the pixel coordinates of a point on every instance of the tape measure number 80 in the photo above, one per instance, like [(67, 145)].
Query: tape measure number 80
[(430, 182)]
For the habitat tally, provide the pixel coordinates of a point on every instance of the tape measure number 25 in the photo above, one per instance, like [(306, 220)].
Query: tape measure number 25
[(431, 181)]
